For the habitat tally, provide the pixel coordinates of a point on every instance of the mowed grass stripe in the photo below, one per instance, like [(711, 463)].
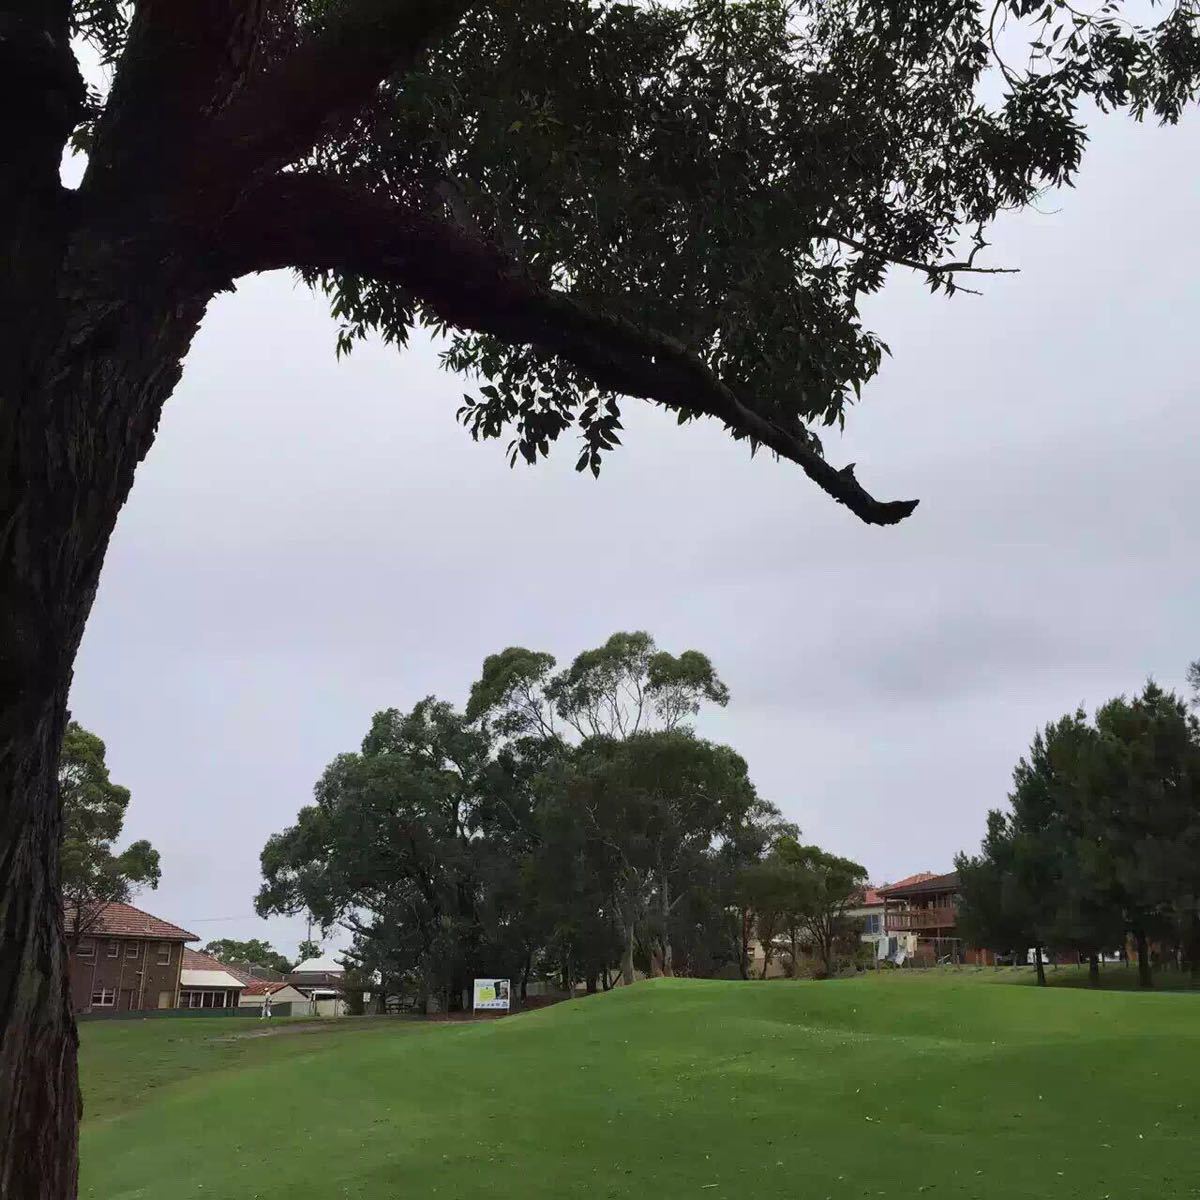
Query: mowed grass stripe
[(876, 1086)]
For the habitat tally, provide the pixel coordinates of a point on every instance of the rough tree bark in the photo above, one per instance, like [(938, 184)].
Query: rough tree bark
[(81, 404), (98, 312)]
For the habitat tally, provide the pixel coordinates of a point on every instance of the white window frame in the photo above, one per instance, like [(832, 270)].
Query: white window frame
[(86, 949), (164, 948), (108, 998), (136, 947), (114, 948)]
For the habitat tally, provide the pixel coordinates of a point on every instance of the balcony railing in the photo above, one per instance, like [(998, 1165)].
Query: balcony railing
[(941, 916)]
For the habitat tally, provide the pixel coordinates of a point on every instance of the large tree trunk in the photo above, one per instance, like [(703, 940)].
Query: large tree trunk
[(744, 955), (627, 954), (39, 1095), (1145, 971), (1041, 967), (768, 957), (1094, 969), (86, 362), (1193, 946), (668, 954)]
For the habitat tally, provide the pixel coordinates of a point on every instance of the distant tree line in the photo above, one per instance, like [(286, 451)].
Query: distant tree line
[(569, 824), (1101, 840), (252, 954)]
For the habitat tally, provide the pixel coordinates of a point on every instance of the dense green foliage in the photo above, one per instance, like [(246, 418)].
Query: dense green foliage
[(1102, 839), (803, 893), (93, 807), (737, 174), (732, 176), (255, 953), (569, 824), (907, 1084)]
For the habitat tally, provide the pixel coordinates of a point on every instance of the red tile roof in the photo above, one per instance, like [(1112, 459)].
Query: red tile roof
[(194, 960), (926, 881), (197, 960), (870, 897), (260, 987), (907, 881), (123, 920)]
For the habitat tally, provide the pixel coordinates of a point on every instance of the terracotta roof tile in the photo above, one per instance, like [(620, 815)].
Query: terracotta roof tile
[(195, 960), (260, 987), (925, 881), (123, 920)]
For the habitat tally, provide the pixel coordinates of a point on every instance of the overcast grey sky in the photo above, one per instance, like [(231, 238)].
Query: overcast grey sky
[(311, 541)]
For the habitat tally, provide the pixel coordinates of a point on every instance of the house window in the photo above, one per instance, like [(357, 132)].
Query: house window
[(873, 923), (114, 949), (164, 954), (164, 999), (133, 949), (204, 999), (104, 998), (87, 950)]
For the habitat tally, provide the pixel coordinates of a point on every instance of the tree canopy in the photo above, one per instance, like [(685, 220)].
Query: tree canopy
[(254, 953), (1101, 839), (93, 872), (680, 201), (616, 690), (684, 202), (497, 842)]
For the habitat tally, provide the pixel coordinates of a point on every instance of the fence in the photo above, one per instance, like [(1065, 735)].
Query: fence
[(153, 1014)]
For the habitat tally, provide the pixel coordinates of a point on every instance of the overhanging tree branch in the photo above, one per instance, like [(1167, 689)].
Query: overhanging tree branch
[(933, 270), (182, 62), (280, 116), (305, 220)]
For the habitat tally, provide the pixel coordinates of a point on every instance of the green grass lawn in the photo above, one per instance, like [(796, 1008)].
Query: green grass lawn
[(892, 1085)]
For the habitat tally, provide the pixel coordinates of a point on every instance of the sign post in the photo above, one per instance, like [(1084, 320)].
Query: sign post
[(491, 995)]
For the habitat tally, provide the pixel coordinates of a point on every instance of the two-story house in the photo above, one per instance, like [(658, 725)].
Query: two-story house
[(126, 960), (924, 908)]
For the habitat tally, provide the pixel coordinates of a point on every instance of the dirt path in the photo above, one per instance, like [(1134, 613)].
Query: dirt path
[(327, 1025)]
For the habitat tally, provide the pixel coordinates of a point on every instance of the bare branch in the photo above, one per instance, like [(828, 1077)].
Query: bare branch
[(308, 221), (933, 270)]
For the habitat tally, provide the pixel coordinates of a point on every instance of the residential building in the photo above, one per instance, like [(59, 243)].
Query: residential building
[(205, 982), (128, 961), (281, 993), (324, 973), (321, 980), (924, 908), (888, 947)]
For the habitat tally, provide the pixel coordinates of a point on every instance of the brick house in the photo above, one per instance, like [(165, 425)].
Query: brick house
[(205, 982), (127, 961)]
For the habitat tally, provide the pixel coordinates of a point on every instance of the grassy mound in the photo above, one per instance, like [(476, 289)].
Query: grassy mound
[(894, 1085)]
